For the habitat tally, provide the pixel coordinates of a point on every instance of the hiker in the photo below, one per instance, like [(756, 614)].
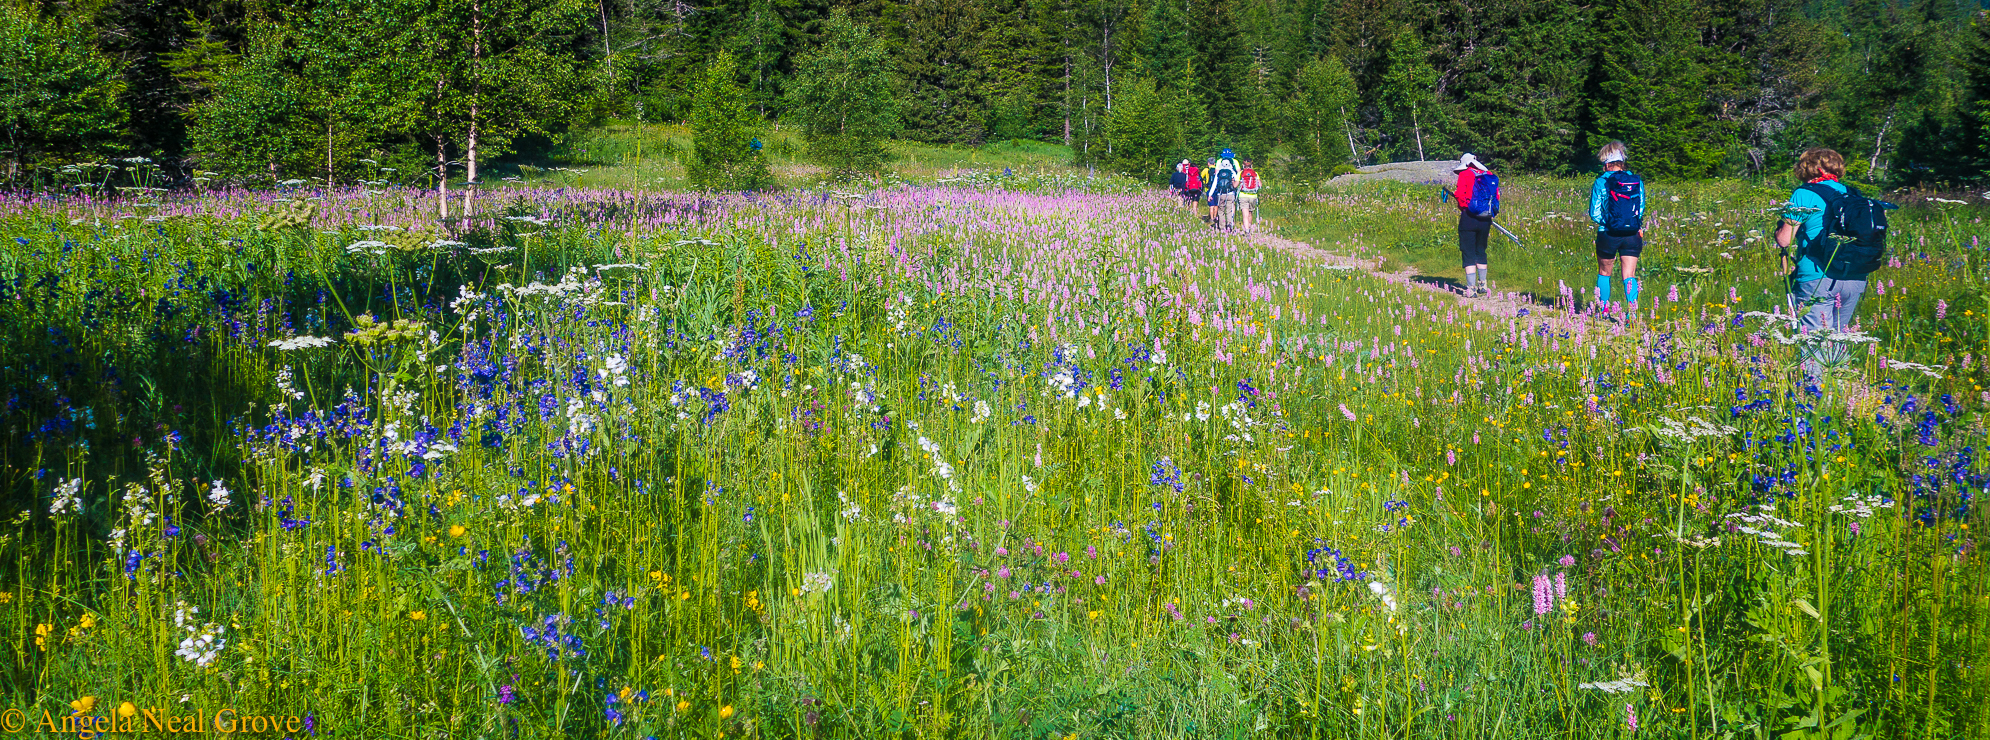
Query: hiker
[(1617, 205), (1192, 189), (1222, 188), (1829, 276), (1177, 181), (1247, 193), (1477, 196), (1208, 176)]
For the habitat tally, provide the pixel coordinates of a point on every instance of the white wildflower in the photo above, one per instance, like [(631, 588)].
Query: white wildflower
[(301, 343), (1383, 592), (68, 497), (218, 496)]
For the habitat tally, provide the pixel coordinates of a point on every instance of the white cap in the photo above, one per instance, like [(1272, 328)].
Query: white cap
[(1468, 161), (1613, 157)]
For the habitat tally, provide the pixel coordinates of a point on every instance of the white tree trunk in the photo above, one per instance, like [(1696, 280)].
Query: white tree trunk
[(441, 178), (476, 100), (1879, 143), (1348, 127), (470, 184), (328, 155)]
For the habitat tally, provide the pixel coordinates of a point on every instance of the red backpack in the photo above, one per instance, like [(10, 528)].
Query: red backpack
[(1194, 178), (1248, 181)]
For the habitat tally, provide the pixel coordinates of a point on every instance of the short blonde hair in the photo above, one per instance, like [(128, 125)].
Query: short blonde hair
[(1820, 161), (1614, 148)]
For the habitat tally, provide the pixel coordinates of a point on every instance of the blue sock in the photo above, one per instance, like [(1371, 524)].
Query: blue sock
[(1603, 288), (1631, 290)]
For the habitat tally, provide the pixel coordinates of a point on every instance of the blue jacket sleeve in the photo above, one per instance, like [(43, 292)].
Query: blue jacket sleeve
[(1597, 193)]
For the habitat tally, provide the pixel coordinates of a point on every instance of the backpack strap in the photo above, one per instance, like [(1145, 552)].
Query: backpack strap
[(1830, 196), (1831, 199)]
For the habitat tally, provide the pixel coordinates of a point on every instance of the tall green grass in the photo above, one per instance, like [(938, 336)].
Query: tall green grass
[(942, 506)]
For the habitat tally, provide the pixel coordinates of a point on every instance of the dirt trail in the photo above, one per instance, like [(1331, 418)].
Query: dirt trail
[(1502, 304)]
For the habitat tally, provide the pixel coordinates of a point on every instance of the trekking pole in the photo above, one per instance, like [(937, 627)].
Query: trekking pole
[(1502, 229)]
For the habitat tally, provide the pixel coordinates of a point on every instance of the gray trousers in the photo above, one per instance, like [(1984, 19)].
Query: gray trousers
[(1826, 304)]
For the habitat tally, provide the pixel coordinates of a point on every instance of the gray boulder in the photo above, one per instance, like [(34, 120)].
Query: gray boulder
[(1429, 172)]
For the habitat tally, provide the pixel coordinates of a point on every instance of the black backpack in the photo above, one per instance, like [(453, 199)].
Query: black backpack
[(1863, 220)]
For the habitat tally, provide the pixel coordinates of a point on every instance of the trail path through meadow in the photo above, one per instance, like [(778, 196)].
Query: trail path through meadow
[(1501, 304)]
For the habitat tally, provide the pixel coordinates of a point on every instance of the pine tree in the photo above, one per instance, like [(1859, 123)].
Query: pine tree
[(1317, 117), (254, 127), (1519, 95), (58, 96), (1143, 139), (1221, 67), (763, 43), (1165, 52), (1413, 121), (943, 93), (1972, 137), (723, 154), (1652, 91), (842, 96)]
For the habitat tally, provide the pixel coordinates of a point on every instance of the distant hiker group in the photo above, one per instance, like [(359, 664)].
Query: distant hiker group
[(1223, 185)]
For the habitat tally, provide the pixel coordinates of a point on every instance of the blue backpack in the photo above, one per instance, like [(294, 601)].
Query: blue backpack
[(1224, 181), (1485, 195), (1620, 214)]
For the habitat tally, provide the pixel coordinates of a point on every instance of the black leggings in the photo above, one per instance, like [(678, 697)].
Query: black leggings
[(1473, 233)]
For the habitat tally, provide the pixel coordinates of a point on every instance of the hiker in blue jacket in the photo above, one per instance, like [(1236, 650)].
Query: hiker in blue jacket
[(1617, 205)]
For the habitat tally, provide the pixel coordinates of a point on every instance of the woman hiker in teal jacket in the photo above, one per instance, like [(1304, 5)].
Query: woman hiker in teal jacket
[(1617, 205)]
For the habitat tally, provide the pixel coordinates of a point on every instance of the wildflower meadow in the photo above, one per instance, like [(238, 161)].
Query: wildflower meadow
[(1002, 457)]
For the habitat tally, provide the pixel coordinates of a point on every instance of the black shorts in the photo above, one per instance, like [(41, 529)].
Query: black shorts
[(1191, 195), (1612, 246), (1473, 233)]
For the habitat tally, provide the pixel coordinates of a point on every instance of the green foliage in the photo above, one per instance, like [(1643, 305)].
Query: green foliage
[(1654, 91), (58, 96), (1166, 55), (1144, 133), (1221, 67), (943, 92), (1523, 92), (203, 60), (1317, 116), (843, 97), (722, 134), (1696, 87), (1415, 123), (255, 126)]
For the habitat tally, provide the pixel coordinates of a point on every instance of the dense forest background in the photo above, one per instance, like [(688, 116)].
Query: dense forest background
[(275, 89)]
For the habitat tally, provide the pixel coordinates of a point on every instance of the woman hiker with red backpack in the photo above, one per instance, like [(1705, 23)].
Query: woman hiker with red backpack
[(1477, 196), (1192, 192), (1617, 205)]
